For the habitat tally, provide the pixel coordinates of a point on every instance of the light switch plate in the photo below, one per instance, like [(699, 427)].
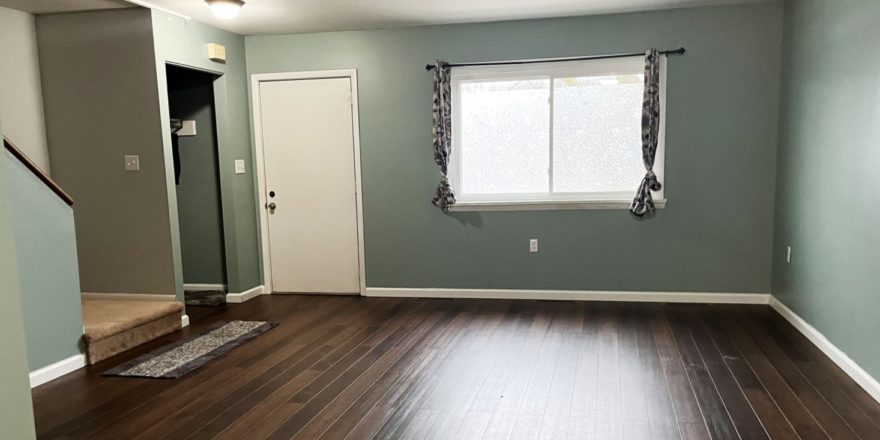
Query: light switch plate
[(239, 166), (132, 162)]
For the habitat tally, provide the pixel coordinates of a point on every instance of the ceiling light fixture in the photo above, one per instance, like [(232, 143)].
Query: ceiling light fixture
[(225, 9)]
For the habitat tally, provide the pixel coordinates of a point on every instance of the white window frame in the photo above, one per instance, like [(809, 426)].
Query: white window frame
[(549, 200)]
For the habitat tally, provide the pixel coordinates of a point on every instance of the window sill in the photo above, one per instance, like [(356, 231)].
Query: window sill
[(546, 205)]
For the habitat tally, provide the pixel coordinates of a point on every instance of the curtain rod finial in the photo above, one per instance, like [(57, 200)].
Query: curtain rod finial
[(429, 67)]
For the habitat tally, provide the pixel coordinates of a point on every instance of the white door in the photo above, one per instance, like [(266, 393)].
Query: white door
[(308, 153)]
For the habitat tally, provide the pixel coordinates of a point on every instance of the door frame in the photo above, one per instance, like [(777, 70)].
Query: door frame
[(256, 80)]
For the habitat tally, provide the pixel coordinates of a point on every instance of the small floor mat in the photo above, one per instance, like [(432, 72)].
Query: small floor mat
[(209, 298), (179, 358)]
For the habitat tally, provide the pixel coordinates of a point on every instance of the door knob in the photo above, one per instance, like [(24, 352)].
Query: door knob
[(270, 206)]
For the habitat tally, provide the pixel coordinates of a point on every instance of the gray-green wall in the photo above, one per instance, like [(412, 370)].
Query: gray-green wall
[(828, 182), (43, 227), (183, 42), (105, 93), (722, 105), (16, 412), (191, 97), (99, 92)]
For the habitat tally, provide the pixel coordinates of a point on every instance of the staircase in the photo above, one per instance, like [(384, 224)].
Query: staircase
[(55, 312)]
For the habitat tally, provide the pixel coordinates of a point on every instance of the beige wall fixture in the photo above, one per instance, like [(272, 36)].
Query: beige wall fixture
[(217, 52)]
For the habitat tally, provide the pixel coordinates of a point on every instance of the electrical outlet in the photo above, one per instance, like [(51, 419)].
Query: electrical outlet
[(533, 245), (132, 163), (788, 254), (239, 166)]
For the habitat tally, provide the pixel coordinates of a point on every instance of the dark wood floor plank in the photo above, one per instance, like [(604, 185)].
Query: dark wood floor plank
[(743, 416), (338, 380), (403, 380), (687, 411), (805, 425), (827, 382), (401, 399), (765, 408), (333, 363), (505, 413), (534, 399), (582, 422), (824, 413), (861, 398), (491, 343), (331, 413), (661, 412), (213, 403), (557, 413), (386, 368), (269, 412), (137, 392), (609, 410), (456, 381), (635, 416), (714, 412)]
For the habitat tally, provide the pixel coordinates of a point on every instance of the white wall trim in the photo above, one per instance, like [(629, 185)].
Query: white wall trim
[(202, 286), (849, 366), (546, 205), (256, 79), (573, 295), (56, 370), (184, 320), (249, 294), (129, 296)]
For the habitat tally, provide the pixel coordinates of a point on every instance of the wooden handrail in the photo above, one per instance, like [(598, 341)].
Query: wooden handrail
[(37, 171)]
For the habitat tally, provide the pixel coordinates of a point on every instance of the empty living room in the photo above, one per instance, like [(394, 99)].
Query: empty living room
[(458, 219)]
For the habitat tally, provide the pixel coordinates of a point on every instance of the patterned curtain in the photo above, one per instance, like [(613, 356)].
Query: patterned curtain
[(644, 202), (444, 196)]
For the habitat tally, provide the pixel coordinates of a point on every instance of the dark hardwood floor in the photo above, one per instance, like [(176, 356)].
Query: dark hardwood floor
[(347, 367)]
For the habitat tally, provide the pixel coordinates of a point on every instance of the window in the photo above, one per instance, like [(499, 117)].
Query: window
[(564, 133)]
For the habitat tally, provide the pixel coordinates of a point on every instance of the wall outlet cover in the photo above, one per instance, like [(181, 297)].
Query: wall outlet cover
[(533, 245), (239, 166), (132, 162)]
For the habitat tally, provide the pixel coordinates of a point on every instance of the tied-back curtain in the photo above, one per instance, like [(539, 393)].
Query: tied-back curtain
[(644, 202), (444, 197)]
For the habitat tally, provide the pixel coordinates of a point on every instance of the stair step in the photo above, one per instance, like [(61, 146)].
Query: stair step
[(114, 326)]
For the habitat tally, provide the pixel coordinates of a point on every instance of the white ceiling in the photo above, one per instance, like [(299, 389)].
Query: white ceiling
[(286, 16), (49, 6)]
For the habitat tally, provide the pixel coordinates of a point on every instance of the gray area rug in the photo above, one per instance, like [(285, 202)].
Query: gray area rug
[(179, 358), (210, 298)]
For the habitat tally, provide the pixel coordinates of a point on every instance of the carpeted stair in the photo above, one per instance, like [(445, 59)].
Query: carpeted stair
[(113, 326)]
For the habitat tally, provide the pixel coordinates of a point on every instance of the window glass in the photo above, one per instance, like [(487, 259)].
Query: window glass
[(505, 131)]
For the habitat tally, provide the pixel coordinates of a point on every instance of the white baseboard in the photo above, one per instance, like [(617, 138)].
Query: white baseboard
[(130, 296), (252, 293), (198, 286), (849, 366), (573, 295), (184, 321), (56, 370)]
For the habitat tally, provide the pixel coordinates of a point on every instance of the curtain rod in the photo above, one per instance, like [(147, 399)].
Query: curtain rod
[(679, 51)]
